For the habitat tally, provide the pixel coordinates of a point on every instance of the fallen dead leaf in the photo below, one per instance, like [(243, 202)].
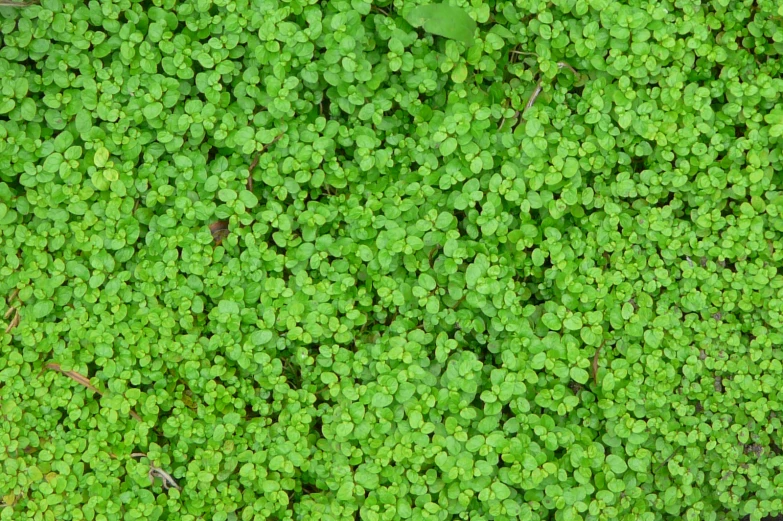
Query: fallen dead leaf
[(219, 231)]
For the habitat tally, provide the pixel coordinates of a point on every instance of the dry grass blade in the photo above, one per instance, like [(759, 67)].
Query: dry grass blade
[(156, 472), (564, 65), (11, 3), (533, 96), (168, 481), (73, 375), (83, 380), (11, 309), (14, 322), (524, 53)]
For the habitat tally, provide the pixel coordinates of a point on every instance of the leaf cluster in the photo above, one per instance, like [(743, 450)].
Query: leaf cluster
[(338, 260)]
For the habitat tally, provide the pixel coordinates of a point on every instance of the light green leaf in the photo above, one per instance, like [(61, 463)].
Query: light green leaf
[(43, 308), (579, 375), (472, 275), (345, 492), (551, 321), (573, 323), (616, 464), (427, 282), (366, 479), (101, 157), (443, 20), (501, 490)]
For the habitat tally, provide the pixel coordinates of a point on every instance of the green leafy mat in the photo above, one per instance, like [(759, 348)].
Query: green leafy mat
[(343, 261)]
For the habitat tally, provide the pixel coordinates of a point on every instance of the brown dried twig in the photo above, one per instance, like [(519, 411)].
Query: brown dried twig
[(562, 65), (156, 472), (537, 91), (14, 322), (12, 310), (168, 481), (432, 252), (83, 380), (76, 377), (533, 96)]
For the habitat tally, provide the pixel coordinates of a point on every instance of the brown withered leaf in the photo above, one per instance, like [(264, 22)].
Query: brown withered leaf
[(219, 231)]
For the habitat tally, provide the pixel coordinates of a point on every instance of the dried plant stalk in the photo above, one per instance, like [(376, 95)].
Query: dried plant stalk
[(155, 472), (168, 481), (83, 380), (14, 322), (595, 362), (11, 310), (560, 65), (533, 96), (76, 377)]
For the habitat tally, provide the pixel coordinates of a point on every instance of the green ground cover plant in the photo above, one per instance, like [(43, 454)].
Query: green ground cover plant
[(340, 260)]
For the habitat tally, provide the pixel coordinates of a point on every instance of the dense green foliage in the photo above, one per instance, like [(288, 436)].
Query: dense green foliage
[(289, 259)]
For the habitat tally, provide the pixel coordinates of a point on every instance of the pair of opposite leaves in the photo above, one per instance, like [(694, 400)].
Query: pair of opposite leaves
[(444, 20)]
